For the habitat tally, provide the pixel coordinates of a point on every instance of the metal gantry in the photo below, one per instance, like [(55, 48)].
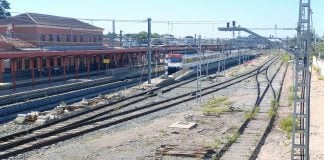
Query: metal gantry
[(301, 115)]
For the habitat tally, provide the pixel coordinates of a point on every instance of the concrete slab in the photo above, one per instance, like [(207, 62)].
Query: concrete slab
[(184, 125)]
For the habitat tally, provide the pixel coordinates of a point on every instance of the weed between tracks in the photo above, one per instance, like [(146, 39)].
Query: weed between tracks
[(251, 114), (286, 125), (285, 57), (233, 138), (272, 110), (217, 106), (291, 96), (216, 143)]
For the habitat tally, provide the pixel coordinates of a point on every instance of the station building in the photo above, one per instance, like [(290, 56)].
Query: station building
[(52, 32)]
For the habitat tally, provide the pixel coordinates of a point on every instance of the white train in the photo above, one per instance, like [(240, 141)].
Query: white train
[(176, 62)]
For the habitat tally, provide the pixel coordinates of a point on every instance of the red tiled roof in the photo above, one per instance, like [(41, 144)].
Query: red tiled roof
[(43, 19)]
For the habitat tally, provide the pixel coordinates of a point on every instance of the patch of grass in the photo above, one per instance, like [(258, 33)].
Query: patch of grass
[(291, 89), (217, 106), (286, 124), (228, 103), (285, 57), (234, 127), (291, 98), (316, 69), (117, 108), (217, 100), (273, 107), (274, 103), (163, 131), (271, 112), (216, 144), (233, 138), (321, 78), (251, 114), (202, 122), (215, 110)]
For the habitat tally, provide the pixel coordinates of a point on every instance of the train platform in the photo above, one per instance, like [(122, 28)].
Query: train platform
[(110, 74)]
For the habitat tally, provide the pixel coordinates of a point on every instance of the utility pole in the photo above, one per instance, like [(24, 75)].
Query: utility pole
[(120, 38), (301, 115), (276, 38), (165, 63), (149, 49), (114, 33), (198, 91)]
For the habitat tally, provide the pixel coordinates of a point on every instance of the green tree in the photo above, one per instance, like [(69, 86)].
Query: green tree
[(141, 35), (155, 35), (4, 6)]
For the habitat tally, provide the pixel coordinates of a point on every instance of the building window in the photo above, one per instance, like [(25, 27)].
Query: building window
[(27, 64), (100, 38), (94, 39), (68, 38), (58, 38), (89, 38), (51, 37), (74, 38), (42, 37), (81, 38)]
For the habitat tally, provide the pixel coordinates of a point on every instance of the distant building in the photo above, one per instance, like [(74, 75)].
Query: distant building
[(189, 40), (168, 39), (51, 31)]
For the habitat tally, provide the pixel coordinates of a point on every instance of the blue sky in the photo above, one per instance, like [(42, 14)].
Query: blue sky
[(247, 13)]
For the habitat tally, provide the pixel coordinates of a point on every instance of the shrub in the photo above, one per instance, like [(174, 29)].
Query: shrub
[(321, 78), (271, 113), (285, 57), (217, 106), (286, 124), (233, 138), (251, 114)]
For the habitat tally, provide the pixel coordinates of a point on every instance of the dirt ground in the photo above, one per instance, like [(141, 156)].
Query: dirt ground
[(317, 119), (140, 140), (277, 145)]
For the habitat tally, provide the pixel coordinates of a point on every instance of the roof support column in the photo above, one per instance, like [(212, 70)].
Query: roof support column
[(1, 70), (31, 62), (18, 65), (13, 72), (88, 66), (63, 59), (98, 63), (48, 63), (39, 66), (23, 65), (55, 61), (77, 59)]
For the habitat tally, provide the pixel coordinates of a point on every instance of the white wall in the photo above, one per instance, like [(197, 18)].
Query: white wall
[(319, 64)]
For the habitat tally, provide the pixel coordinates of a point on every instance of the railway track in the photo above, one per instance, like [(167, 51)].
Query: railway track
[(254, 130), (41, 101), (49, 91), (72, 94), (67, 128)]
